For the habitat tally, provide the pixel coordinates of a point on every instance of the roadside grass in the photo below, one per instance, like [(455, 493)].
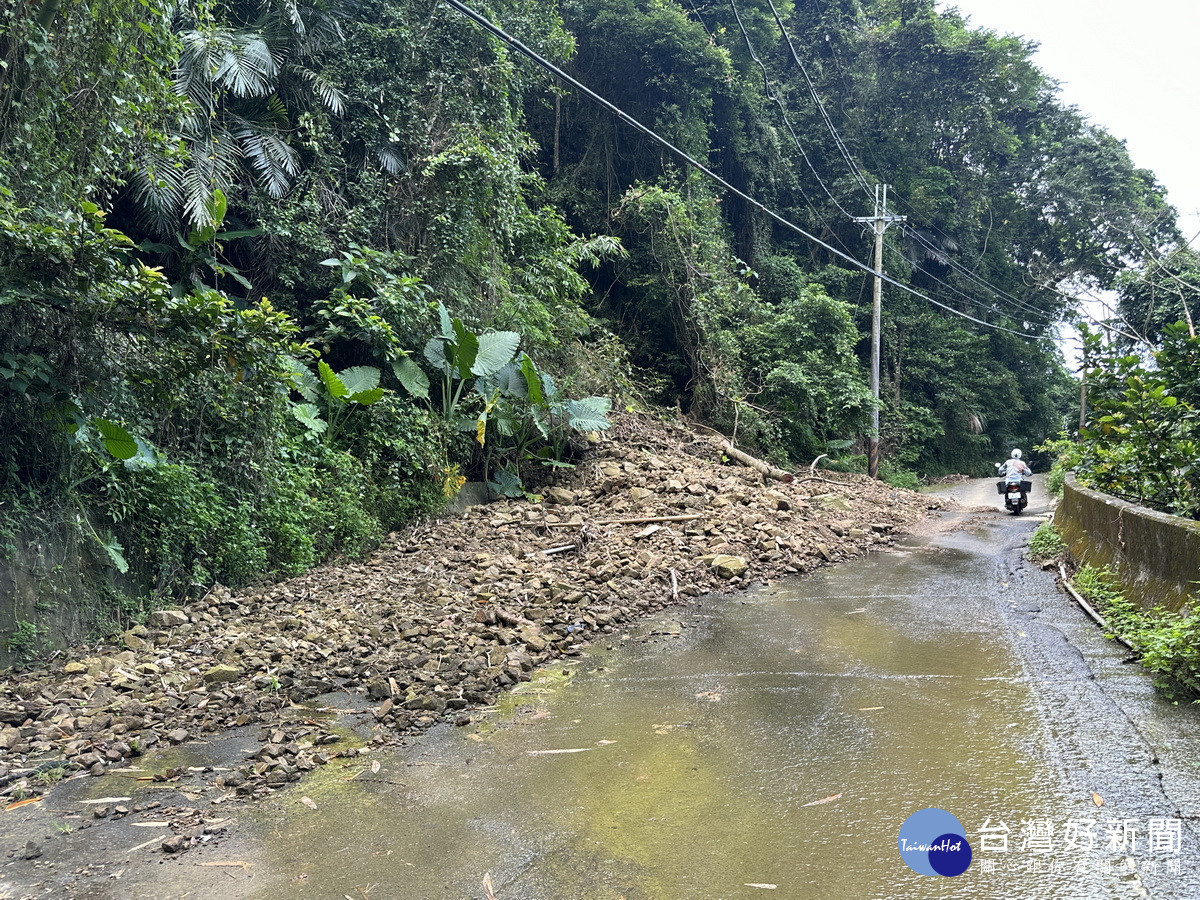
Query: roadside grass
[(1167, 643), (1046, 543)]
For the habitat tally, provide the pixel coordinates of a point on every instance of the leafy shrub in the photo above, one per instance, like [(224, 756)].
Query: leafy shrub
[(520, 417), (1142, 440), (1046, 543), (181, 530), (899, 477), (27, 642), (1167, 643), (1171, 650), (403, 450)]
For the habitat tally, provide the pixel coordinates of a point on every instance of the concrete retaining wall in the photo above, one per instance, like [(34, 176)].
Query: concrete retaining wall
[(1155, 555)]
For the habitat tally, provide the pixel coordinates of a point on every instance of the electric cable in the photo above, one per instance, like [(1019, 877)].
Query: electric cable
[(857, 173), (973, 276), (1045, 322), (559, 73), (700, 19), (773, 95), (855, 170), (837, 138)]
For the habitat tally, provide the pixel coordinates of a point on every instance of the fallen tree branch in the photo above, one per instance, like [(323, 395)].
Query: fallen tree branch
[(563, 549), (820, 479), (641, 521), (1087, 607), (812, 466), (767, 470)]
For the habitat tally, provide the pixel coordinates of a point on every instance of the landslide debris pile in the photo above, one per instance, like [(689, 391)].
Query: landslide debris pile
[(445, 615)]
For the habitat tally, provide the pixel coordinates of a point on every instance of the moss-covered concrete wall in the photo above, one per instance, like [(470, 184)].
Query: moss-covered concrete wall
[(1156, 556)]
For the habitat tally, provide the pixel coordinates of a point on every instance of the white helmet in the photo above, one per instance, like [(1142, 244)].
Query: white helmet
[(1016, 454)]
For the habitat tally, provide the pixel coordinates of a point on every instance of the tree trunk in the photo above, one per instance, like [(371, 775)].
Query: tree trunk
[(768, 470)]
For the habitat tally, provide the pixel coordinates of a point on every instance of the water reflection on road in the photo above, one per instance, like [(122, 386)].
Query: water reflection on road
[(772, 741)]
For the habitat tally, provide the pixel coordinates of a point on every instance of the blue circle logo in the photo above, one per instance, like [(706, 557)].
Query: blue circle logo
[(933, 842)]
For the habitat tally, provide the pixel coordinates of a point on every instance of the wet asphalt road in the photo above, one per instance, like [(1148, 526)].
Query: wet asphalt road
[(766, 744)]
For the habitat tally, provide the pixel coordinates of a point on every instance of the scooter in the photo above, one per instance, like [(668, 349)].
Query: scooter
[(1015, 491)]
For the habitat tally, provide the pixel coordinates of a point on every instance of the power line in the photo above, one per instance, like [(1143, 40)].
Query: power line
[(837, 138), (970, 298), (978, 279), (550, 67), (773, 95), (796, 140), (700, 19), (857, 173)]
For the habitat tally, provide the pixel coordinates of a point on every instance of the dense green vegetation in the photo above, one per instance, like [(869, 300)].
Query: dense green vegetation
[(1167, 643), (274, 276), (1046, 543), (1142, 440)]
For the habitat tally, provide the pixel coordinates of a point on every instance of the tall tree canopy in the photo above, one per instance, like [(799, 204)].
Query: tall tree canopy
[(214, 208)]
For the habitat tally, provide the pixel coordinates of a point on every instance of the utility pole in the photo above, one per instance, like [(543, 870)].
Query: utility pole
[(880, 221)]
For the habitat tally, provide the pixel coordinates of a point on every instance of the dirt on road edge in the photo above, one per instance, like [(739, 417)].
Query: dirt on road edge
[(444, 616)]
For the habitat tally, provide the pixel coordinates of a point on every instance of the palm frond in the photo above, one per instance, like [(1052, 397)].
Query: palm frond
[(247, 67), (273, 161), (214, 167), (157, 191), (328, 93), (391, 161)]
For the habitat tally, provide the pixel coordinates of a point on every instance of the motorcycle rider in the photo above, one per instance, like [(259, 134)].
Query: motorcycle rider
[(1014, 464)]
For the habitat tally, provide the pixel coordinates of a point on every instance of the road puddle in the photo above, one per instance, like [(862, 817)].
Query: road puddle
[(769, 742)]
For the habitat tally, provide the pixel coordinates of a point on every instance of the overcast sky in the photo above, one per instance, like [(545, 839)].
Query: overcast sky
[(1129, 67)]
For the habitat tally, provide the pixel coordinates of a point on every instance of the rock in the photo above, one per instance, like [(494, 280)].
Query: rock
[(131, 641), (857, 533), (777, 500), (9, 737), (882, 527), (175, 843), (561, 496), (833, 501), (32, 850), (221, 674), (727, 566), (178, 735), (167, 618), (637, 493), (75, 668), (101, 697), (824, 551), (531, 636)]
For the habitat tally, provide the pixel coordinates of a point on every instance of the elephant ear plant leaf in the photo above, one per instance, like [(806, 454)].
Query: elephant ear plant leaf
[(309, 415), (116, 440), (362, 385), (517, 414), (495, 350), (588, 414), (459, 353), (411, 377), (340, 393)]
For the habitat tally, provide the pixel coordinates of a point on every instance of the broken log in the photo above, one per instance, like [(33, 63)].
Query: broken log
[(640, 521), (767, 470)]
